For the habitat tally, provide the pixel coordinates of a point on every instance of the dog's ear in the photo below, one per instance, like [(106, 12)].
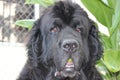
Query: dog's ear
[(95, 46), (34, 44)]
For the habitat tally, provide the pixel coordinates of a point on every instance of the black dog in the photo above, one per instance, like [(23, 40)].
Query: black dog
[(63, 45)]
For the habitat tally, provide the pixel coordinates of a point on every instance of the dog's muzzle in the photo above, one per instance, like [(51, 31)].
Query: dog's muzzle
[(68, 71)]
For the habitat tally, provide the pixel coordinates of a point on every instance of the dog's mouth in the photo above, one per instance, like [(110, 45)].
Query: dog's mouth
[(68, 71)]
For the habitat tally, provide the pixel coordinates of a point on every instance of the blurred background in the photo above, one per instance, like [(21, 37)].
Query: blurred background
[(12, 37)]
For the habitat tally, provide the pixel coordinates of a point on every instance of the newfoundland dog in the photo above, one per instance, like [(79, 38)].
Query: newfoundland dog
[(63, 45)]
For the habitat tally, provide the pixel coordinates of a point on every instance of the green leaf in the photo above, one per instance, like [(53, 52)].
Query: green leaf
[(112, 3), (27, 23), (106, 41), (44, 3), (115, 39), (115, 18), (118, 77), (112, 60), (103, 70), (114, 30), (118, 39), (102, 12)]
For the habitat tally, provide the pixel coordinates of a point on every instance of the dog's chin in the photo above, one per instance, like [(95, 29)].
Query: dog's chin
[(67, 72)]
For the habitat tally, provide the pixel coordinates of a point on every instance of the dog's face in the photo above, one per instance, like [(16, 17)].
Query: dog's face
[(65, 31)]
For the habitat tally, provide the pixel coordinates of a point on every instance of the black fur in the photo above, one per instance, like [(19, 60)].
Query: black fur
[(65, 21)]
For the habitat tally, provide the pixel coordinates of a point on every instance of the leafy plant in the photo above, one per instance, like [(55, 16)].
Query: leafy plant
[(44, 3), (107, 13), (27, 23)]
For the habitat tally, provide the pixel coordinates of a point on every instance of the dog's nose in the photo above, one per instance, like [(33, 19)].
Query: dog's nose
[(70, 45)]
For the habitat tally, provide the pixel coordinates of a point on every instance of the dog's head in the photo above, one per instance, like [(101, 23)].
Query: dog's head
[(66, 39)]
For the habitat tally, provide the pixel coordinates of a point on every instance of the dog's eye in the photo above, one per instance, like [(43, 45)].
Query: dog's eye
[(54, 29)]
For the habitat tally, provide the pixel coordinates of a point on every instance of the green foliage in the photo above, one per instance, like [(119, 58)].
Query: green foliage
[(107, 13), (102, 12), (44, 3), (27, 23), (111, 59)]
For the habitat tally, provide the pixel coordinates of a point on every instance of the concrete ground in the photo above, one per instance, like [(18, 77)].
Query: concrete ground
[(12, 60)]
